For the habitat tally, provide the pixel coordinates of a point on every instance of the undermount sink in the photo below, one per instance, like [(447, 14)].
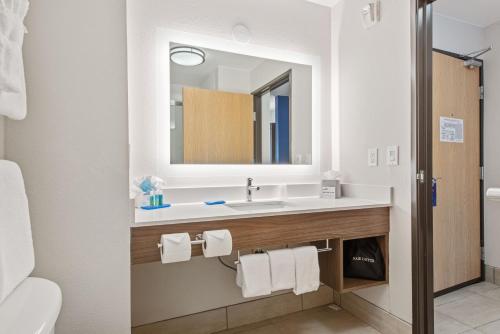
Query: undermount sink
[(249, 206)]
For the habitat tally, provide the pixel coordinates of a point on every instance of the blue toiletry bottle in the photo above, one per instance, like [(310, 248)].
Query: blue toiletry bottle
[(157, 202), (160, 198)]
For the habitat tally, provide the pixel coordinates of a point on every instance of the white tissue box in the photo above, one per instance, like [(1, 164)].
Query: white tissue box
[(330, 189)]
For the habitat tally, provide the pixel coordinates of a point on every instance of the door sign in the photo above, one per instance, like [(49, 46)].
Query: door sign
[(451, 130)]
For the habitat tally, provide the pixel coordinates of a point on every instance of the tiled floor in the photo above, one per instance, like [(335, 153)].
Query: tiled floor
[(316, 321), (474, 309)]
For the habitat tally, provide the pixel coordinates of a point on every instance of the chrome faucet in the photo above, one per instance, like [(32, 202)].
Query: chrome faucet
[(250, 189)]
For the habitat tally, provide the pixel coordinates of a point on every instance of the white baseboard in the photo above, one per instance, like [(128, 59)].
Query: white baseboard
[(492, 274)]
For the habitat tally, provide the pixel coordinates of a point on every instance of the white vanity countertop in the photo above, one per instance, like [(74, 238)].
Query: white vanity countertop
[(198, 212)]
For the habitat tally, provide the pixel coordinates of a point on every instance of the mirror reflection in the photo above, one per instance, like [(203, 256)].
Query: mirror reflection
[(229, 108)]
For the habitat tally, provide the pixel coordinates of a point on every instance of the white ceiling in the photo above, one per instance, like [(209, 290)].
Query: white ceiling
[(194, 75), (481, 13)]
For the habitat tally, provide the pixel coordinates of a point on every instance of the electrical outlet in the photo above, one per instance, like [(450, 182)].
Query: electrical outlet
[(373, 157), (392, 156)]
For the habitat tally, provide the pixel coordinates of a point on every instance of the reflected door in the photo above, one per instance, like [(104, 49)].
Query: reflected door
[(218, 127), (282, 135)]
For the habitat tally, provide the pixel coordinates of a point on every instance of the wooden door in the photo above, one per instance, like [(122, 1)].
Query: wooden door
[(218, 127), (456, 168)]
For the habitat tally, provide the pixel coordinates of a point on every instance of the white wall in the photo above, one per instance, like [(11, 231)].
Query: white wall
[(452, 35), (72, 149), (375, 111), (176, 134), (491, 140), (233, 80), (210, 82)]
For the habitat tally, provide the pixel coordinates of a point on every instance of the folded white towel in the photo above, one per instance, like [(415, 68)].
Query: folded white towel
[(12, 84), (306, 269), (282, 264), (254, 276)]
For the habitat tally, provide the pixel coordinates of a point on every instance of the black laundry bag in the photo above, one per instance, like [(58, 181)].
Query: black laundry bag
[(363, 259)]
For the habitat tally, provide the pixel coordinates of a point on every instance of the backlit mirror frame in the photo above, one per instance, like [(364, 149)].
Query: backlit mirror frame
[(175, 173)]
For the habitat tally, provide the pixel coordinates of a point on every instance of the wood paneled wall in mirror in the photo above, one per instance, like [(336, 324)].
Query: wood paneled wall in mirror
[(229, 108)]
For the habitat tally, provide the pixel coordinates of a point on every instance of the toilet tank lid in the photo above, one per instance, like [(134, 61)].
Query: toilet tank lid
[(33, 307), (17, 258)]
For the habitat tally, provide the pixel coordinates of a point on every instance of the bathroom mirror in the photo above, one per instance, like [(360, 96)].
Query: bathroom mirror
[(229, 108)]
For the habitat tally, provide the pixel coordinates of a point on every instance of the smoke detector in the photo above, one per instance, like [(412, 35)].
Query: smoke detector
[(241, 33)]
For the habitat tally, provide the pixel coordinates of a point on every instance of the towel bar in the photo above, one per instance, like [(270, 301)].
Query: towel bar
[(320, 250)]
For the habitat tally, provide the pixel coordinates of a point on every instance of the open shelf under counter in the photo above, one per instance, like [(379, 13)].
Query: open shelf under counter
[(279, 231), (332, 265)]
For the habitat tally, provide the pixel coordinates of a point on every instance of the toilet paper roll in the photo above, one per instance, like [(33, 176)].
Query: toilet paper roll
[(493, 194), (175, 247), (217, 243)]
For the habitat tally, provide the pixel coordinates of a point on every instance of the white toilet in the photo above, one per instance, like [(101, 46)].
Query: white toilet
[(28, 305)]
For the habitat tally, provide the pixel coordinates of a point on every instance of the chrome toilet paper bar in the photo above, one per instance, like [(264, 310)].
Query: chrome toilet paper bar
[(197, 241)]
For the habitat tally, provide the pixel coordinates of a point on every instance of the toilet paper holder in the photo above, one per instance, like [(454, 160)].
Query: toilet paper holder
[(197, 241)]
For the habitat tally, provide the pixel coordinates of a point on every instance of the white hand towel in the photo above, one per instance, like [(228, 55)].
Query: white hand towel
[(12, 83), (254, 275), (282, 269), (306, 269)]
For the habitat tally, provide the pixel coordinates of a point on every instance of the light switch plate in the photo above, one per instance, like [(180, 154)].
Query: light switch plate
[(373, 157), (392, 156)]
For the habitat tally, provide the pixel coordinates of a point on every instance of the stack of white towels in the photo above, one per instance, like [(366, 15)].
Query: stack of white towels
[(12, 84), (283, 269)]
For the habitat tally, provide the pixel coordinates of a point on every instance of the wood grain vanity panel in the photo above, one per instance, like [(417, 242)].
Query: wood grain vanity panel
[(251, 233), (329, 264)]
